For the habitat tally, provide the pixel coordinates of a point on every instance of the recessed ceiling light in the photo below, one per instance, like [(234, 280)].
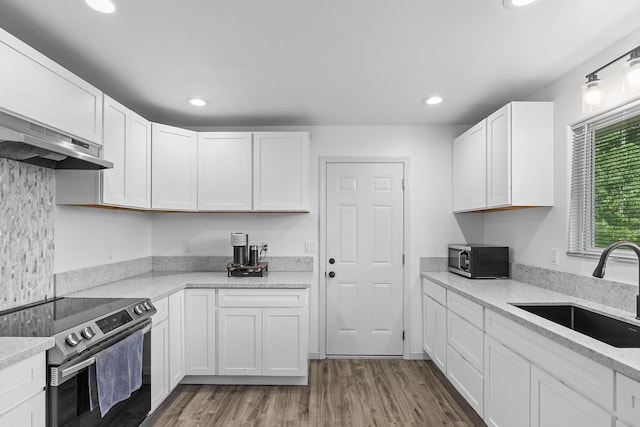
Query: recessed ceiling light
[(432, 100), (197, 102), (516, 3), (104, 6)]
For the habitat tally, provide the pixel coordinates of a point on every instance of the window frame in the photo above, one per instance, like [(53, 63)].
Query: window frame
[(581, 223)]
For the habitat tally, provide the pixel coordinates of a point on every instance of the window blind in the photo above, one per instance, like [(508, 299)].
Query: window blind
[(604, 205)]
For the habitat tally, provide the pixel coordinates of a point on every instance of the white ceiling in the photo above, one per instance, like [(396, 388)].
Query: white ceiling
[(319, 62)]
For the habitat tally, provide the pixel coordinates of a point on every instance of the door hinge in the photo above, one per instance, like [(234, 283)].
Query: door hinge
[(402, 259), (402, 184), (403, 335)]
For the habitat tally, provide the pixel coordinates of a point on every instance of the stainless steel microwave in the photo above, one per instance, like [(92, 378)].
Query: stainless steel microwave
[(479, 261)]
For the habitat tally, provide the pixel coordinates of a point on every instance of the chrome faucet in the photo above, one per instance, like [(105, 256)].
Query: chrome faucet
[(599, 271)]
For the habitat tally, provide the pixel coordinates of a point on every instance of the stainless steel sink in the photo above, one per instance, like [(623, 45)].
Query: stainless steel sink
[(609, 330)]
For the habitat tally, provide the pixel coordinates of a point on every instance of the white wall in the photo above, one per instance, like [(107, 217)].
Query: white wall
[(83, 234), (432, 225), (533, 232)]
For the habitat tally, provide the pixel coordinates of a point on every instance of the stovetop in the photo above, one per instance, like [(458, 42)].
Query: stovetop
[(49, 318), (76, 323)]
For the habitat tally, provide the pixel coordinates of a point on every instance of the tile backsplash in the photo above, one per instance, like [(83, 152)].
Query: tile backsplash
[(26, 233)]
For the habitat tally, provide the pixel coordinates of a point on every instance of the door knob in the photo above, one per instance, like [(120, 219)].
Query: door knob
[(332, 274), (332, 260)]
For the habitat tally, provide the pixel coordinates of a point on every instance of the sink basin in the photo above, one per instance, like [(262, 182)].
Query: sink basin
[(614, 332)]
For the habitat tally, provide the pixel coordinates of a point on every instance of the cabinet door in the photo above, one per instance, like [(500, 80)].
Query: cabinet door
[(31, 413), (139, 162), (281, 171), (176, 339), (460, 173), (115, 141), (476, 147), (499, 157), (440, 358), (200, 331), (466, 379), (428, 326), (240, 341), (52, 96), (553, 404), (506, 386), (224, 171), (285, 350), (466, 339), (173, 168), (159, 363)]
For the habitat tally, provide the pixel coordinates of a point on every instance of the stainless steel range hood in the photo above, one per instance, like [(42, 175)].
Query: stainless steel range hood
[(30, 143)]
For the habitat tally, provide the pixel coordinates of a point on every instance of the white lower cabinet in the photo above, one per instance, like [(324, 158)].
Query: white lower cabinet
[(553, 404), (434, 323), (240, 341), (159, 362), (284, 346), (466, 380), (176, 339), (263, 332), (167, 347), (506, 386), (200, 331), (22, 395), (627, 401)]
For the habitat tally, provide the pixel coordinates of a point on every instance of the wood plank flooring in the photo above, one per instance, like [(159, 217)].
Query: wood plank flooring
[(341, 392)]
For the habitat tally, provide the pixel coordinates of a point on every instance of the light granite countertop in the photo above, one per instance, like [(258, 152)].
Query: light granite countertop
[(14, 350), (497, 295), (154, 285), (157, 285)]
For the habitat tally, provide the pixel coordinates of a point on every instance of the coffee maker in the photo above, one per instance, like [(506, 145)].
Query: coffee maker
[(246, 260)]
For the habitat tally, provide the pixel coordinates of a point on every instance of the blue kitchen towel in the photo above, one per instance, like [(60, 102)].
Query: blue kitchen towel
[(119, 371)]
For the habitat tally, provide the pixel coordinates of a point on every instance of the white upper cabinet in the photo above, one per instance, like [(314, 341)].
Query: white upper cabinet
[(138, 156), (281, 171), (469, 169), (126, 143), (224, 171), (36, 88), (506, 161), (174, 168), (520, 155), (115, 139)]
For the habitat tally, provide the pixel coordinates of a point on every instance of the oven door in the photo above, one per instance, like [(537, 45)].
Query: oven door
[(68, 402)]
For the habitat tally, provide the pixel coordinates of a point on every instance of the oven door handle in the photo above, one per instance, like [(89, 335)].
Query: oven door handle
[(77, 367)]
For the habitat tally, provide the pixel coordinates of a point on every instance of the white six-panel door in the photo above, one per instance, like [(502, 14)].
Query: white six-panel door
[(365, 241)]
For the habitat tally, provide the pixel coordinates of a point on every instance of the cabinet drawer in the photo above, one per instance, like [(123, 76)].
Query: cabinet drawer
[(162, 305), (628, 400), (262, 298), (468, 310), (466, 339), (31, 413), (435, 291), (20, 382), (579, 372), (466, 380)]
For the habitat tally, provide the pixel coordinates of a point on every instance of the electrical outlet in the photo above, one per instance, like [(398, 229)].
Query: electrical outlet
[(553, 256), (310, 247), (109, 252), (187, 247), (265, 248)]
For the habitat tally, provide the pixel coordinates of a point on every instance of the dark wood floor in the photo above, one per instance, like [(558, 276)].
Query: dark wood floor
[(347, 392)]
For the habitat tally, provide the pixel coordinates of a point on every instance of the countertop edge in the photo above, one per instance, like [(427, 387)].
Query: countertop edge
[(604, 354), (17, 349)]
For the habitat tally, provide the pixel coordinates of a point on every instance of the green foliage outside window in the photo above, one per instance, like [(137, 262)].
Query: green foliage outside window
[(617, 183)]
